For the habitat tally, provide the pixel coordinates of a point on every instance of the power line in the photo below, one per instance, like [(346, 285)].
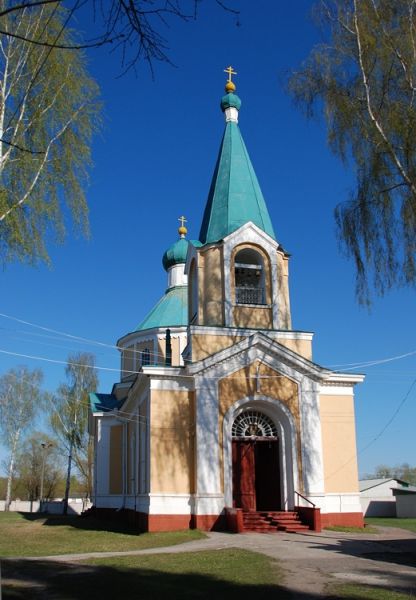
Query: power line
[(132, 351)]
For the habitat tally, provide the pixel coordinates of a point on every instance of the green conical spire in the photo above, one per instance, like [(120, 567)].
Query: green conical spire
[(235, 197)]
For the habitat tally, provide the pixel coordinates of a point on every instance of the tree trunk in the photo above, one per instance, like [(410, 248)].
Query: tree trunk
[(11, 473), (68, 476)]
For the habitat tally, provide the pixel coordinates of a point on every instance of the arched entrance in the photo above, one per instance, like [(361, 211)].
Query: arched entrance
[(255, 462)]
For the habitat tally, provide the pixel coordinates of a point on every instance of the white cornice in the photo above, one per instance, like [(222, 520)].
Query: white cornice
[(343, 378), (148, 335), (235, 331)]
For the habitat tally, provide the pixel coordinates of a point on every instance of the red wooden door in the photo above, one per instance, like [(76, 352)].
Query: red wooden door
[(244, 476)]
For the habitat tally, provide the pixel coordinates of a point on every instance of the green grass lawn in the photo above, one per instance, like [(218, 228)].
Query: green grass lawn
[(364, 592), (340, 529), (227, 574), (409, 524), (43, 535)]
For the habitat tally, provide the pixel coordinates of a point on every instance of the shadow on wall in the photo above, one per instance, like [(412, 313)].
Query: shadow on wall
[(381, 508)]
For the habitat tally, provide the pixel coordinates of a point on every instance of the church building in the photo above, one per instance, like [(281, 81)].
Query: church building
[(221, 418)]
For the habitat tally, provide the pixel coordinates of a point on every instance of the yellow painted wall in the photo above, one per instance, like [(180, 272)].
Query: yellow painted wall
[(142, 449), (302, 347), (127, 362), (339, 444), (253, 317), (172, 442), (116, 460), (175, 352), (205, 345), (161, 352), (211, 298), (285, 319), (130, 459), (243, 383)]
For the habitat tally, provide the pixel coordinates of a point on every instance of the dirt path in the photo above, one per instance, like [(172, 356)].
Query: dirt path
[(310, 561)]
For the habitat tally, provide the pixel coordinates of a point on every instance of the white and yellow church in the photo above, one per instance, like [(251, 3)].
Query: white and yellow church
[(221, 418)]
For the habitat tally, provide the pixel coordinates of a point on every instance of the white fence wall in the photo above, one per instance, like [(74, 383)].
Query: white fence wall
[(52, 507)]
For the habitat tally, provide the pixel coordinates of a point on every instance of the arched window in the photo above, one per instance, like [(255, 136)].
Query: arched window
[(146, 357), (249, 277), (253, 423)]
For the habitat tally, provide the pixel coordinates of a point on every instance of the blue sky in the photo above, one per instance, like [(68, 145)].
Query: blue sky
[(153, 163)]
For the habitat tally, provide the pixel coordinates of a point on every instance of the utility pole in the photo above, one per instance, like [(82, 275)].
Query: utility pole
[(45, 448)]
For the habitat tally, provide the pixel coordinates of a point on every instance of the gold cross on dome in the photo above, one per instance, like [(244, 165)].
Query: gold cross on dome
[(183, 221), (230, 72)]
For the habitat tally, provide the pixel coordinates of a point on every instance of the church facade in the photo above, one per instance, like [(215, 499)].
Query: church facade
[(220, 405)]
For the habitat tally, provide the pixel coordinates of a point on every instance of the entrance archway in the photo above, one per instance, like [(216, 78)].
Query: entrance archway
[(255, 462)]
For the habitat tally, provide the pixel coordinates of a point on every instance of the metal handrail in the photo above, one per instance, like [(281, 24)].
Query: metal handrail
[(306, 499)]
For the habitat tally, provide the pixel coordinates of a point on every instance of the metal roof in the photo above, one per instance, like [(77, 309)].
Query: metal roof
[(103, 402), (170, 311), (235, 197)]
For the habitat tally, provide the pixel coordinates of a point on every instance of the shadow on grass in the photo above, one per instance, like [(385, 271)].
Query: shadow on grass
[(42, 579), (88, 523)]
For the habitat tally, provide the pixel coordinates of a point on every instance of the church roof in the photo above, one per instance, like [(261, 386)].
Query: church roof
[(170, 311), (103, 402), (175, 254), (235, 197)]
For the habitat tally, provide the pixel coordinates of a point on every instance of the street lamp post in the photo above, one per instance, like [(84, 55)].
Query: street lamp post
[(45, 448)]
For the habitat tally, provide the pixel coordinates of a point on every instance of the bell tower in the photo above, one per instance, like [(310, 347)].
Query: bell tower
[(238, 272)]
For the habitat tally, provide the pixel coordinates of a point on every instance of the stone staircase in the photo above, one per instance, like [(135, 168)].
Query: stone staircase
[(272, 521)]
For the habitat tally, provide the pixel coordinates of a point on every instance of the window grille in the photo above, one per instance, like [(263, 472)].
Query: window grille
[(249, 277), (253, 423), (249, 295)]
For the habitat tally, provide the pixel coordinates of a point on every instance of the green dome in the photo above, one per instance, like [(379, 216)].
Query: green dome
[(176, 254), (230, 100), (170, 311)]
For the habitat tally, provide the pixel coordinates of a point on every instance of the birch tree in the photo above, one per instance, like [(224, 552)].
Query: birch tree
[(39, 466), (70, 419), (363, 79), (135, 27), (48, 114), (20, 401)]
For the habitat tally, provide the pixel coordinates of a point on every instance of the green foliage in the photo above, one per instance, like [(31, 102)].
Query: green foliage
[(39, 453), (363, 78), (70, 419), (49, 111), (404, 472), (20, 401)]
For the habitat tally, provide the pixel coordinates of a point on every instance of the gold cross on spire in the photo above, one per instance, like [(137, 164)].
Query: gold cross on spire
[(230, 72), (182, 229)]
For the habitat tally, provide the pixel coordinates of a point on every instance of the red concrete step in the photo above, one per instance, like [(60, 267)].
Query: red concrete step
[(271, 521)]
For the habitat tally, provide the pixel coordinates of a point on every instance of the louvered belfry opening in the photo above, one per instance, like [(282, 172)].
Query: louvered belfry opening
[(249, 277)]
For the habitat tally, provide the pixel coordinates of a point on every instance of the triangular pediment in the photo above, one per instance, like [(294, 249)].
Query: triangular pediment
[(258, 346), (262, 347)]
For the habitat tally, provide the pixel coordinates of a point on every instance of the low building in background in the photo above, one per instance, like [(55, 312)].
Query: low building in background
[(387, 498)]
